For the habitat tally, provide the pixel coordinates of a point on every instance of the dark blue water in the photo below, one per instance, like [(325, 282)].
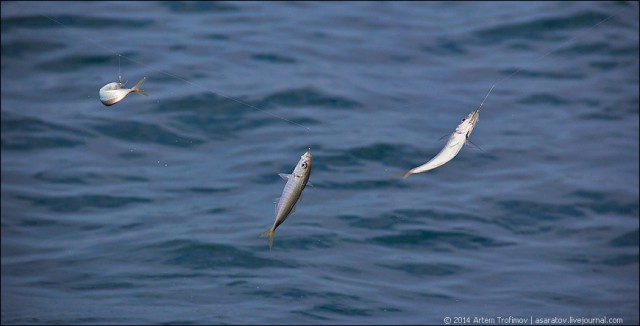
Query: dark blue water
[(149, 211)]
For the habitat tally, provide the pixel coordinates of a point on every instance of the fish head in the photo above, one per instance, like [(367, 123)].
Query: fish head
[(304, 165), (467, 124)]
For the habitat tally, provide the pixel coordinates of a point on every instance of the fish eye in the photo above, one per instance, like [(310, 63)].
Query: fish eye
[(303, 165), (463, 120)]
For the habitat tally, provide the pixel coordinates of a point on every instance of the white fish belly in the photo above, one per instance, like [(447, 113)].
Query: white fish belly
[(113, 96), (450, 150), (290, 195)]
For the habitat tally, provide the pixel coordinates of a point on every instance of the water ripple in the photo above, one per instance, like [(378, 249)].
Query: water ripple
[(539, 29), (198, 256), (72, 204), (82, 21), (437, 240), (145, 133), (199, 7), (20, 49), (308, 97)]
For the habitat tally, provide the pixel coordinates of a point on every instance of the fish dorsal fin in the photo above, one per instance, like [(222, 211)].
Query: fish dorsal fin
[(285, 176)]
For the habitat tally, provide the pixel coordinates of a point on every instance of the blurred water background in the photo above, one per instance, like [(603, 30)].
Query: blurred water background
[(148, 211)]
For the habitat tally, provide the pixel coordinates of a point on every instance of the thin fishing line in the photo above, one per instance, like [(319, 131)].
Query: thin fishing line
[(180, 78), (552, 50), (485, 97), (214, 93), (556, 48)]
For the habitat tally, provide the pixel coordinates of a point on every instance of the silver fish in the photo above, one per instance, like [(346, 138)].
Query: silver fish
[(291, 193), (113, 93), (457, 139)]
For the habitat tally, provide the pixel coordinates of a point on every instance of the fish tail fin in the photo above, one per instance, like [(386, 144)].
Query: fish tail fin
[(138, 87), (402, 175), (268, 233)]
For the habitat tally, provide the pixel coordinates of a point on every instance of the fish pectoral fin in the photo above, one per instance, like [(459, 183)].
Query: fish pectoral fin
[(469, 143), (443, 137), (284, 176), (275, 204), (309, 184)]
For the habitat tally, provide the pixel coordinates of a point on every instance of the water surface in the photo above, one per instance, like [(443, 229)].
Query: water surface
[(148, 211)]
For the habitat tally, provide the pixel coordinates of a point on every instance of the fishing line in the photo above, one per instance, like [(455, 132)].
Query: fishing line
[(540, 57), (485, 97), (556, 48), (178, 77)]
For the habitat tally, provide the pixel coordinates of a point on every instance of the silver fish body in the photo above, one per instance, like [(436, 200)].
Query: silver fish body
[(291, 193), (457, 139), (113, 93)]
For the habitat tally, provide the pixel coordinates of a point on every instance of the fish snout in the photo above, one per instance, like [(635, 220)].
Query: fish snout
[(307, 154)]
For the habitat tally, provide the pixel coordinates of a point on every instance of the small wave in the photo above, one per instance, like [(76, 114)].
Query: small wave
[(25, 134), (307, 242), (219, 117), (273, 58), (388, 221), (523, 73), (539, 29), (622, 260), (417, 269), (363, 184), (394, 155), (20, 49), (198, 7), (445, 47), (132, 131), (80, 62), (76, 177), (36, 143), (335, 305), (629, 239), (543, 98), (602, 203), (206, 104), (208, 190), (528, 217), (308, 97), (83, 21), (197, 255), (437, 240), (72, 204)]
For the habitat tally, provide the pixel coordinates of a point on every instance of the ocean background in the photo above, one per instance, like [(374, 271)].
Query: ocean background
[(149, 211)]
